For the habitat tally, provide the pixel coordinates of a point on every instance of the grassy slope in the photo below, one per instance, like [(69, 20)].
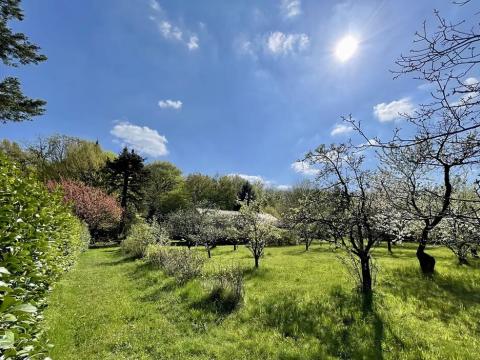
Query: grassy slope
[(298, 306)]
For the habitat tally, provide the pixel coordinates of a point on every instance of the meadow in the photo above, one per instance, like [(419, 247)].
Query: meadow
[(297, 305)]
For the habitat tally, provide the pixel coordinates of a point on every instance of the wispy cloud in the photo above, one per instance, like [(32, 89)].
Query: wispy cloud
[(340, 129), (394, 110), (302, 167), (279, 43), (291, 8), (171, 31), (170, 104), (143, 139), (257, 179)]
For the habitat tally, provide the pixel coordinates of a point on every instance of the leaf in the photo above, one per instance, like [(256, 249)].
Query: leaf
[(4, 271), (7, 340), (28, 308), (9, 318)]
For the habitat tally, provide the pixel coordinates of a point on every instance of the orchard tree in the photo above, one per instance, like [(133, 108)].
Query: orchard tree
[(185, 224), (255, 229), (347, 187), (15, 50)]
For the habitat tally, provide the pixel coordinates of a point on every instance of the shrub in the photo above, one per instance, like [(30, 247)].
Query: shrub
[(141, 235), (99, 210), (39, 240), (226, 287), (181, 263)]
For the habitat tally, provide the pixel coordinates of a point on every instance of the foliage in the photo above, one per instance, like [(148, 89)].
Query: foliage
[(164, 189), (181, 263), (247, 193), (16, 49), (99, 210), (226, 287), (39, 240), (141, 235)]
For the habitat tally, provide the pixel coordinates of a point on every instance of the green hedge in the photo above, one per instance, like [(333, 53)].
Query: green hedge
[(39, 240)]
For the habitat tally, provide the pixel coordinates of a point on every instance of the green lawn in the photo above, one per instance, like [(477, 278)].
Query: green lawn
[(298, 305)]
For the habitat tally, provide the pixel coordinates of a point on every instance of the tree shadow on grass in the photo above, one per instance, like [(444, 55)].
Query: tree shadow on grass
[(346, 324), (443, 294)]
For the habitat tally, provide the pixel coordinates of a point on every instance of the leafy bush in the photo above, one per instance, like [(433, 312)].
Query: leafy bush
[(100, 211), (181, 263), (141, 235), (226, 287), (39, 240)]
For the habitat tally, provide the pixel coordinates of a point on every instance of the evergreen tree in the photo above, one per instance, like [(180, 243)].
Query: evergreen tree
[(126, 175), (16, 49), (247, 193)]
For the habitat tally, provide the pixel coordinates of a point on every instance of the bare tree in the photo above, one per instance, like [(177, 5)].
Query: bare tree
[(352, 205)]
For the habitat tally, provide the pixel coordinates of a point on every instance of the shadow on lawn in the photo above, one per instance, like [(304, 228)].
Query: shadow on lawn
[(433, 292), (347, 325)]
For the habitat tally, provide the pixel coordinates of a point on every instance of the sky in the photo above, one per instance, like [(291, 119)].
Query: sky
[(221, 87)]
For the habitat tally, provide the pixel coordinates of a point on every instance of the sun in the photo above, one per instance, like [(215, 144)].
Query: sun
[(346, 48)]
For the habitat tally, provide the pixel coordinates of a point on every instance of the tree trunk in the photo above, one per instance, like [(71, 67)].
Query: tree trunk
[(256, 262), (306, 245), (208, 251), (389, 246), (462, 260), (474, 252), (234, 247), (427, 262), (366, 274)]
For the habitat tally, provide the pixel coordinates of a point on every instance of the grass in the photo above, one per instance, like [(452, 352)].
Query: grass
[(298, 305)]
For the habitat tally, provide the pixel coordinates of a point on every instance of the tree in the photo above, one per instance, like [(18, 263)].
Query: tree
[(164, 189), (15, 50), (211, 229), (347, 188), (255, 229), (126, 175), (100, 211), (246, 193), (185, 224), (445, 130), (201, 188)]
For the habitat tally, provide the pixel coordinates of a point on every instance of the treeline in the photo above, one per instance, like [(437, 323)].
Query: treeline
[(126, 183)]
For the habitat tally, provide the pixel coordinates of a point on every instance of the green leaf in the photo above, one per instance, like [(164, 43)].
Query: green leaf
[(9, 318), (28, 308), (4, 271), (7, 340)]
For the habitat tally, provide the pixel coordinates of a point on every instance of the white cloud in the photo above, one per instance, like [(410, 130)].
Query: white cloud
[(252, 178), (193, 42), (169, 30), (340, 129), (283, 187), (170, 104), (155, 5), (279, 43), (304, 168), (393, 110), (291, 8), (143, 139)]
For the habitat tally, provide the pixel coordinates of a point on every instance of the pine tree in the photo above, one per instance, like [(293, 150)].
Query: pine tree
[(15, 50)]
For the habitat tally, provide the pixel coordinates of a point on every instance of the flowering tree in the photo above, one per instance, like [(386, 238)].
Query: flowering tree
[(99, 210)]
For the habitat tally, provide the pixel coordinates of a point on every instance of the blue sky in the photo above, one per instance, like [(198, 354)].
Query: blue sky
[(219, 86)]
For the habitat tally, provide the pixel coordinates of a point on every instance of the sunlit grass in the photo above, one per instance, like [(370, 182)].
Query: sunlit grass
[(298, 305)]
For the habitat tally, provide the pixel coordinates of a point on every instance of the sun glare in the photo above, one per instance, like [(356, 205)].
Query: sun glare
[(346, 48)]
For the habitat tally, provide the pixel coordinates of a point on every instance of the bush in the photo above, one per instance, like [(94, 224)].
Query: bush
[(181, 263), (99, 210), (141, 235), (39, 240), (226, 287)]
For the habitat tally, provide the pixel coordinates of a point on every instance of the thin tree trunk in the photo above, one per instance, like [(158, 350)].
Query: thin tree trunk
[(234, 247), (256, 262), (307, 245), (389, 246), (208, 251)]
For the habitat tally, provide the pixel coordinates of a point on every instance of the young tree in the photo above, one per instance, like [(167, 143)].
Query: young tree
[(185, 224), (15, 50), (255, 229)]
